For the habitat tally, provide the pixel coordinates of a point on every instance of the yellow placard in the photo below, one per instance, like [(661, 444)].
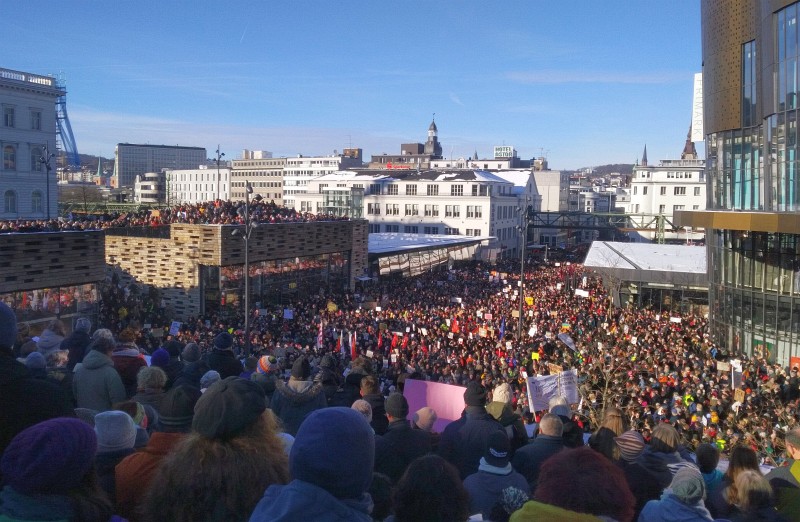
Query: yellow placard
[(529, 301), (535, 356)]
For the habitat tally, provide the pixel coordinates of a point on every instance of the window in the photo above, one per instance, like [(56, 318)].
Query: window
[(663, 191), (9, 158), (644, 191), (391, 190), (456, 190), (473, 232), (374, 209), (374, 229), (697, 191), (474, 190), (677, 207), (10, 202), (411, 190), (393, 228), (695, 207), (431, 210), (451, 231), (392, 209), (412, 209), (452, 211), (470, 212), (635, 190), (662, 209), (478, 211), (680, 191), (8, 116), (433, 190), (36, 156), (485, 190), (375, 189), (431, 230), (36, 201), (36, 120), (411, 229)]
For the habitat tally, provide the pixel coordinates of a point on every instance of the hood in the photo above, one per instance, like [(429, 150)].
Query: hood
[(49, 341), (299, 392), (126, 350), (282, 503), (672, 509), (95, 359)]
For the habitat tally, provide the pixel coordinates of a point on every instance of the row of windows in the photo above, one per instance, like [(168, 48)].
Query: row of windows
[(375, 228), (10, 118), (10, 158), (412, 209), (677, 191), (10, 202), (431, 190)]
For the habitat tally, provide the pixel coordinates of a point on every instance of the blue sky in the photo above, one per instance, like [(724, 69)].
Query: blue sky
[(584, 82)]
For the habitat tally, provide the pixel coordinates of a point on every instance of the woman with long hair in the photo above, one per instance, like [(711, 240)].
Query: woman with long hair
[(220, 470), (613, 425), (723, 500)]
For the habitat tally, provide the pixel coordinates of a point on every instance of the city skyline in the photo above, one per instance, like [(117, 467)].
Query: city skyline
[(580, 83)]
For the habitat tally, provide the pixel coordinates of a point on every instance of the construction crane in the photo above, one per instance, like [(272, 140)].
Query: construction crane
[(65, 139)]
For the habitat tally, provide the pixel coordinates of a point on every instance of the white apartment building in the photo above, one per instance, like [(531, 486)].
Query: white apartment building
[(299, 171), (150, 188), (131, 160), (27, 130), (197, 185), (590, 200), (443, 202), (264, 173), (669, 186)]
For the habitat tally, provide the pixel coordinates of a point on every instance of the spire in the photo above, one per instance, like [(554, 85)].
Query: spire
[(99, 167), (432, 127), (475, 157), (689, 152), (644, 156)]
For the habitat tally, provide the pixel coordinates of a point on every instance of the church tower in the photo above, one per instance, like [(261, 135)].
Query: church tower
[(432, 146)]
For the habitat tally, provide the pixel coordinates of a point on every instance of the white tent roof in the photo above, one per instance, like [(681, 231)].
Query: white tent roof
[(651, 263), (384, 242)]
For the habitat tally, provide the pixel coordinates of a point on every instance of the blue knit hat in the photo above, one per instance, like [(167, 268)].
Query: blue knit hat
[(160, 358), (331, 440), (8, 326), (51, 457)]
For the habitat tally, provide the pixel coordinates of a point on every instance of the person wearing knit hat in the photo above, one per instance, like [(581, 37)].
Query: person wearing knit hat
[(464, 446), (630, 444), (501, 409), (116, 436), (222, 358), (208, 379), (77, 343), (485, 487), (194, 367), (363, 407), (160, 358), (329, 441), (174, 365), (190, 353), (425, 418), (266, 363), (47, 472), (292, 402), (36, 364), (221, 469), (135, 473), (683, 500), (96, 383), (401, 444)]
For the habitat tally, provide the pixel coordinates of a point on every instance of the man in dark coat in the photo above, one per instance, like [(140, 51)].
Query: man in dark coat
[(194, 367), (465, 446), (401, 444), (292, 402), (24, 401), (77, 343), (529, 458), (221, 359), (175, 365)]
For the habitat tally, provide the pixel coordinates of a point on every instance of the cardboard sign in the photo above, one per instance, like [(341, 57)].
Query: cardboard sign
[(544, 387), (677, 320), (738, 395), (554, 368), (723, 366), (515, 313), (487, 317)]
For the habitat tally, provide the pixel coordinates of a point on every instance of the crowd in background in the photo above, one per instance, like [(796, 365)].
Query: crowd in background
[(657, 406), (209, 213)]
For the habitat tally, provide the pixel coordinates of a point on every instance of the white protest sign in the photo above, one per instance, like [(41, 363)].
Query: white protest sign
[(675, 320), (544, 387)]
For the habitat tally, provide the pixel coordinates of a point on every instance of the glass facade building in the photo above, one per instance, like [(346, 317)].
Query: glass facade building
[(751, 79)]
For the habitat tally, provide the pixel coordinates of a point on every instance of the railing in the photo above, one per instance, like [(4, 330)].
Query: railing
[(10, 74)]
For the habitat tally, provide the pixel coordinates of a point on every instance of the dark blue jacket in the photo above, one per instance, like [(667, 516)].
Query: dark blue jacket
[(469, 443), (529, 458), (301, 500), (398, 447)]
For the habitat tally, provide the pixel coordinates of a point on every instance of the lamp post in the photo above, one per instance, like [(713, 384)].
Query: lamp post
[(219, 157), (45, 160), (523, 229), (248, 229)]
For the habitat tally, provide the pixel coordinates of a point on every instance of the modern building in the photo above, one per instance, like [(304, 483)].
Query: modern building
[(412, 155), (431, 202), (28, 141), (264, 173), (131, 160), (200, 268), (750, 107), (670, 186), (299, 172), (553, 187), (197, 185)]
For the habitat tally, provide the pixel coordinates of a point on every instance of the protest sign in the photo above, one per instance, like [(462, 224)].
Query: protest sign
[(175, 327), (544, 387), (446, 399)]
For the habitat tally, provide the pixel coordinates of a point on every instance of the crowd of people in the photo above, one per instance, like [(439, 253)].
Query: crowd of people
[(216, 212), (314, 420)]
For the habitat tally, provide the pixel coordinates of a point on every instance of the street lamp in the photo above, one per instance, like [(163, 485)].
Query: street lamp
[(249, 226), (219, 157), (45, 160), (523, 230)]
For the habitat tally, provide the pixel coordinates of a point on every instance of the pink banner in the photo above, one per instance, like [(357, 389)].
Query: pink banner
[(447, 400)]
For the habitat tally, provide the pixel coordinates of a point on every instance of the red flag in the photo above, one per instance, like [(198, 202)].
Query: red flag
[(405, 341), (394, 340), (339, 343), (380, 340), (353, 352), (454, 326)]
